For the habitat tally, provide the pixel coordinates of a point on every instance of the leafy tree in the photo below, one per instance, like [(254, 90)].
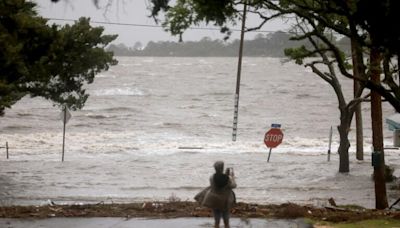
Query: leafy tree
[(324, 67), (48, 61), (361, 21)]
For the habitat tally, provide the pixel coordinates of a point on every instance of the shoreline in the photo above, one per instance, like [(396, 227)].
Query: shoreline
[(181, 209)]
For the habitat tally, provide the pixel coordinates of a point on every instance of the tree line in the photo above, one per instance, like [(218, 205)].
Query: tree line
[(270, 45)]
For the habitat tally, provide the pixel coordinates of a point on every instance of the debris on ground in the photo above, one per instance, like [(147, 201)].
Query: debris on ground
[(192, 209)]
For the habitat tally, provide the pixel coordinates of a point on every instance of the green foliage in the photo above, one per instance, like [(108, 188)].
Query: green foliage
[(299, 54), (377, 18), (48, 61), (192, 12), (158, 5), (217, 12), (77, 55), (213, 11), (178, 18), (373, 223), (23, 38)]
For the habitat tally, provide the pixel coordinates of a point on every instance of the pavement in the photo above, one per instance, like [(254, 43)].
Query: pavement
[(147, 223)]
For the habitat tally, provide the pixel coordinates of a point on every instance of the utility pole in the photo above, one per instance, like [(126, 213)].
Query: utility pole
[(355, 53), (239, 71), (377, 133)]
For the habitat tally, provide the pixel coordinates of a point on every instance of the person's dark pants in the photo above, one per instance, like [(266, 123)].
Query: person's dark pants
[(218, 214)]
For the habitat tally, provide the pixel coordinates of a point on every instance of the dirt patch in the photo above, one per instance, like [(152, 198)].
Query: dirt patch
[(192, 209)]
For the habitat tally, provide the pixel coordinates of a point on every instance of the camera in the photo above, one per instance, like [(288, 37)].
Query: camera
[(229, 171)]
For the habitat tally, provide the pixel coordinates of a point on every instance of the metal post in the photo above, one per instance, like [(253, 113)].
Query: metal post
[(64, 123), (7, 149), (269, 155), (330, 142), (239, 69)]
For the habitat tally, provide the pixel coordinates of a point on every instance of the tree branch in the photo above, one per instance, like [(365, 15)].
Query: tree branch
[(356, 101), (324, 76), (388, 80), (265, 20)]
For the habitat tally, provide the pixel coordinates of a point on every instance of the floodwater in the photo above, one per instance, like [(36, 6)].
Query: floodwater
[(153, 127)]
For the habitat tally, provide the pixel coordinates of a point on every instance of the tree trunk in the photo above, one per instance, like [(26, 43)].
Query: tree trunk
[(359, 133), (377, 135), (343, 128), (355, 51), (344, 145)]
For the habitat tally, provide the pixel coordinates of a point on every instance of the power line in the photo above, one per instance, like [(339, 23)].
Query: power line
[(153, 26), (107, 23)]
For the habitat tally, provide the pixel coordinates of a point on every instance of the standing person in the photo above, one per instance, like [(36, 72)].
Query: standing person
[(219, 196)]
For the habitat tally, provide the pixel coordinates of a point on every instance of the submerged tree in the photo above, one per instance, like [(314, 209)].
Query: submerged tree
[(48, 61), (324, 67)]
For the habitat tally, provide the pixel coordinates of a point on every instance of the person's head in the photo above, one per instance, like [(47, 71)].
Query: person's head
[(219, 166)]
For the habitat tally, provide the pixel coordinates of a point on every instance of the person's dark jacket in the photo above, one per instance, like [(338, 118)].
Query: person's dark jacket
[(216, 196)]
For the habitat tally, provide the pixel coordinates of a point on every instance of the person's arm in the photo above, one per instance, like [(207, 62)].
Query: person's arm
[(232, 182)]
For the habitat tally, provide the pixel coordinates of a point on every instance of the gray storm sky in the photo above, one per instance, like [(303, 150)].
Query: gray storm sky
[(135, 12)]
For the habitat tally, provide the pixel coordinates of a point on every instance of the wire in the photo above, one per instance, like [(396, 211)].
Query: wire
[(154, 26)]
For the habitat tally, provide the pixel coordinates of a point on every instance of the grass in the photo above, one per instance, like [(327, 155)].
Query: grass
[(374, 223)]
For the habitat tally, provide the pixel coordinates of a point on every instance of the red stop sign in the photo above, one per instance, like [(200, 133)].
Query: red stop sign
[(273, 137)]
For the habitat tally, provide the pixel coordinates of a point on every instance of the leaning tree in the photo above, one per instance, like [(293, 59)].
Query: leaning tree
[(44, 60)]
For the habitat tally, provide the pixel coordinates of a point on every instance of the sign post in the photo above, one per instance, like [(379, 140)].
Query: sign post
[(65, 116), (273, 138), (330, 143), (7, 149)]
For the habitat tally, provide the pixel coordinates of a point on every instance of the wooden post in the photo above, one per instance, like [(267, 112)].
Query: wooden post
[(7, 149), (64, 123), (377, 132), (239, 70)]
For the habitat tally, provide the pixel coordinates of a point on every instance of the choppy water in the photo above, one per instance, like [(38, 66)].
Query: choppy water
[(153, 127)]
